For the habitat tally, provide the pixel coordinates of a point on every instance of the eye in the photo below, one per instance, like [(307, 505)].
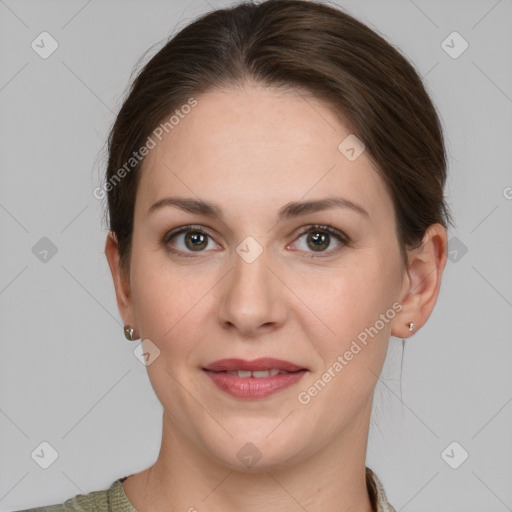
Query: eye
[(189, 239), (194, 239), (318, 238)]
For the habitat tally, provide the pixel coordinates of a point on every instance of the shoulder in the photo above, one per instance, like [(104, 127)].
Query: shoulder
[(108, 500)]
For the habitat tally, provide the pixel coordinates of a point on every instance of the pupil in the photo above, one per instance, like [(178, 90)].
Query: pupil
[(321, 238), (195, 237)]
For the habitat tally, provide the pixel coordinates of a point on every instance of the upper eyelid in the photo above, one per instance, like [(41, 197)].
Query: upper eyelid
[(197, 227)]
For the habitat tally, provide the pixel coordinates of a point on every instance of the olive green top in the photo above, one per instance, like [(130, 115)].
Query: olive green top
[(115, 500)]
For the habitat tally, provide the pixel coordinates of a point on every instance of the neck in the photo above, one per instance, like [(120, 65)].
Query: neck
[(333, 479)]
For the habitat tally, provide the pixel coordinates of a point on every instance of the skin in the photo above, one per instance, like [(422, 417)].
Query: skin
[(252, 150)]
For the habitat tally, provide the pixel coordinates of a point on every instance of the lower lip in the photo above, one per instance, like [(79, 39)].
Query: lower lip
[(253, 387)]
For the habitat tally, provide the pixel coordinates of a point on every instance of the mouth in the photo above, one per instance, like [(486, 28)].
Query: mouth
[(253, 379), (257, 365), (256, 374)]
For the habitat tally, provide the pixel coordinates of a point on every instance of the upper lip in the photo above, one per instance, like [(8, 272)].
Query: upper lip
[(264, 363)]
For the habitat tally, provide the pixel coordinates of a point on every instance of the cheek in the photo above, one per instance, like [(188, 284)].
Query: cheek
[(352, 307), (170, 300)]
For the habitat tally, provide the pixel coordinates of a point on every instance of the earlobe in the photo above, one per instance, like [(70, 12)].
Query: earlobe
[(121, 281), (422, 281)]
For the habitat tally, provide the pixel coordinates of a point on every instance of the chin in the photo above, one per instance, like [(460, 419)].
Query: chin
[(257, 453)]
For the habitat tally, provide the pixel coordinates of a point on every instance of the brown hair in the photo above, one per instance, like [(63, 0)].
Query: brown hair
[(302, 44)]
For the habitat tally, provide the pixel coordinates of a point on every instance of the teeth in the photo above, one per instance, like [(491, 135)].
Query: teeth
[(265, 373), (259, 374)]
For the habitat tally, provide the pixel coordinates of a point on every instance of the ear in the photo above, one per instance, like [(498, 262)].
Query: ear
[(422, 281), (121, 283)]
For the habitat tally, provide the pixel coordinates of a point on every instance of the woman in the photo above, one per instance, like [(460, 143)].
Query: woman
[(275, 196)]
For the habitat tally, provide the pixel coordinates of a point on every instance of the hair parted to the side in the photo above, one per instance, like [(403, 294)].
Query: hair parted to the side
[(303, 45)]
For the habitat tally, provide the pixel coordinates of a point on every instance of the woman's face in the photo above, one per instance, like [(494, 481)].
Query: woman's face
[(253, 283)]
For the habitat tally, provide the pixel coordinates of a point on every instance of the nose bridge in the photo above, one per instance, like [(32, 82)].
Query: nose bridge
[(251, 294), (251, 278)]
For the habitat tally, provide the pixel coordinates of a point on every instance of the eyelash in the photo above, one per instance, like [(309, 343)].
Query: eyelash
[(315, 228)]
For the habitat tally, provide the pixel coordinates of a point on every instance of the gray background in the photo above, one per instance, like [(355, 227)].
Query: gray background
[(68, 376)]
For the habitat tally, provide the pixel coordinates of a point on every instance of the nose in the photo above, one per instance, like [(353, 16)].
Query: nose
[(253, 300)]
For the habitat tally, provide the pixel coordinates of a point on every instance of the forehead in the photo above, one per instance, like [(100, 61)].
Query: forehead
[(258, 146)]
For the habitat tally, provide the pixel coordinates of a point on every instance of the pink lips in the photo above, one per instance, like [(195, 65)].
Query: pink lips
[(253, 387), (264, 363)]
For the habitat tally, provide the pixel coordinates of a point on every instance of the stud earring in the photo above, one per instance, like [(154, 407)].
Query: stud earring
[(128, 332), (411, 326)]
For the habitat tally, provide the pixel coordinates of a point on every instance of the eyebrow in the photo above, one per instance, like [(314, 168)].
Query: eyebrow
[(289, 210)]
